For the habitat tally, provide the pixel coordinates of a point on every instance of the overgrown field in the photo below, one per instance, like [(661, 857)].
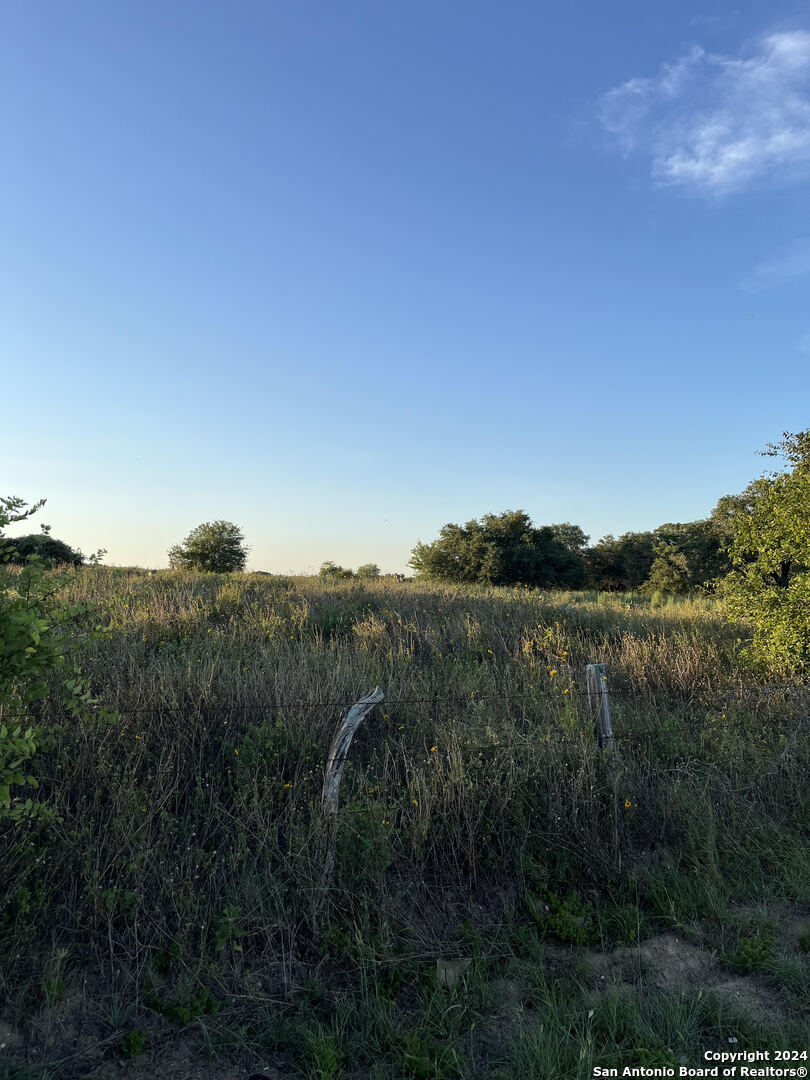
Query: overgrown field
[(179, 895)]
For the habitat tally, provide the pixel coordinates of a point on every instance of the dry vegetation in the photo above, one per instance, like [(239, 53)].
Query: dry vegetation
[(177, 891)]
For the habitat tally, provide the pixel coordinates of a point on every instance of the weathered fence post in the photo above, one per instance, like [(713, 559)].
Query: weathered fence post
[(334, 772), (600, 704), (600, 707)]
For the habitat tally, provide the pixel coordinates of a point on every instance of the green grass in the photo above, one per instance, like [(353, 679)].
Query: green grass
[(185, 867)]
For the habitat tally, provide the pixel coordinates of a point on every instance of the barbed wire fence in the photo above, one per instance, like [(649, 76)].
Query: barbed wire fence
[(533, 702)]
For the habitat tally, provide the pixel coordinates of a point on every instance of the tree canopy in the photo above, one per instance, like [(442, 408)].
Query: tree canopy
[(500, 549), (622, 562), (770, 552), (333, 572), (678, 557), (215, 546)]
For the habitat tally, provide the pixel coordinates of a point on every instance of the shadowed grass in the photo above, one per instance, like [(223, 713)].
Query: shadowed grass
[(185, 867)]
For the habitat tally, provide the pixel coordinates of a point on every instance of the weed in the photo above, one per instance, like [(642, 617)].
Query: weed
[(132, 1043)]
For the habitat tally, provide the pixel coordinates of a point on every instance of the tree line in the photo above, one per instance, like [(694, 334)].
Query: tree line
[(508, 549), (753, 549)]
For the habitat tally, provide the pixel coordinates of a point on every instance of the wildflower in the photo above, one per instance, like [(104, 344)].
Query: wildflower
[(432, 749), (627, 804), (288, 784), (385, 821), (415, 802), (490, 652), (552, 672), (236, 752), (565, 691)]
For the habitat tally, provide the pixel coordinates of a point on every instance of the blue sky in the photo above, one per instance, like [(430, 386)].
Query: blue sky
[(342, 273)]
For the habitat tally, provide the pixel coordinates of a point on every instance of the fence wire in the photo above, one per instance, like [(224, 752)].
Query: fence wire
[(528, 701)]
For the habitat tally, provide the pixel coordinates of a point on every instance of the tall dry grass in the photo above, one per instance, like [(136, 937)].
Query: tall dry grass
[(188, 839)]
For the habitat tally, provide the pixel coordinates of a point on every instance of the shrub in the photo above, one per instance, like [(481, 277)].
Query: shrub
[(36, 636), (53, 552)]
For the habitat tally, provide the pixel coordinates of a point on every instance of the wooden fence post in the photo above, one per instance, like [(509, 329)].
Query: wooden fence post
[(334, 772), (600, 704)]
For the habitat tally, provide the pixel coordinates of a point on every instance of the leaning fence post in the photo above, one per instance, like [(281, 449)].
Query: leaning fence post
[(334, 772), (600, 704)]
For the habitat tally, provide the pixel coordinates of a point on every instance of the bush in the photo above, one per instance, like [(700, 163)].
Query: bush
[(36, 636), (53, 552), (215, 547)]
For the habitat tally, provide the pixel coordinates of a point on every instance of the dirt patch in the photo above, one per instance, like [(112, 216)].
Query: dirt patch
[(73, 1040), (789, 920), (669, 963)]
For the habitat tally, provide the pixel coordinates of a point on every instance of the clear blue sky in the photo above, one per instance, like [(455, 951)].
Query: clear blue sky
[(343, 272)]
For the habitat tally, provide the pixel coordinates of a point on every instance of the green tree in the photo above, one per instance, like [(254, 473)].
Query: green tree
[(688, 556), (619, 563), (369, 571), (571, 537), (53, 552), (216, 547), (38, 634), (669, 572), (770, 552), (499, 549), (335, 572)]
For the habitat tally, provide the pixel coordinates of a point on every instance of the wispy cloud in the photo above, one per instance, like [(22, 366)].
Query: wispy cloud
[(715, 123), (792, 262)]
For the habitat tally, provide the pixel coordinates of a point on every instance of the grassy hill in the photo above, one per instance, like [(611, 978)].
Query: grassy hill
[(634, 908)]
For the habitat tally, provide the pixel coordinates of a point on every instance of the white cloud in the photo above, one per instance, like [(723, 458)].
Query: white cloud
[(716, 123), (792, 262)]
